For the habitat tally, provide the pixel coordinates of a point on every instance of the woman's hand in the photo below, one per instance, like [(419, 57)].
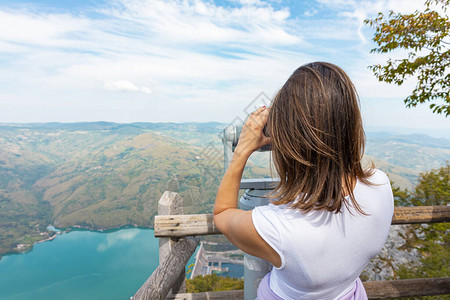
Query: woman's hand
[(252, 136)]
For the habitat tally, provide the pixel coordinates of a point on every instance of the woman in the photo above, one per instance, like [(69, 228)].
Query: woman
[(330, 216)]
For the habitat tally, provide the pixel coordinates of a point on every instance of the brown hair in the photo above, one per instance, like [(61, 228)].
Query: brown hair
[(317, 139)]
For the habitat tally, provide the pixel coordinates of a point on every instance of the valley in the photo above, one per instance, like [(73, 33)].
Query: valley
[(104, 175)]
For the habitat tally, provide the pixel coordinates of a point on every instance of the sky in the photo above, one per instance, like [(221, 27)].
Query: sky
[(189, 61)]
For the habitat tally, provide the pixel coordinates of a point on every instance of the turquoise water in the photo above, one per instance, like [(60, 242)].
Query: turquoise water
[(85, 265), (81, 265), (234, 271)]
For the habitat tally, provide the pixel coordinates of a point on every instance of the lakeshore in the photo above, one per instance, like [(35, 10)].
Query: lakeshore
[(84, 264), (81, 265), (22, 248)]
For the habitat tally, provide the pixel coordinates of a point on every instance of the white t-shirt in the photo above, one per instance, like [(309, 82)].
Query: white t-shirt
[(323, 253)]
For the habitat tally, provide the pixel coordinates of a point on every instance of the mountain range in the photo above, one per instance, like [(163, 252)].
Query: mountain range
[(104, 175)]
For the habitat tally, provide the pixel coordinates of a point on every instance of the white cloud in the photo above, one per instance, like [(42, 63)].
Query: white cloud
[(252, 2), (205, 22), (350, 14), (145, 39), (41, 30), (117, 237), (146, 90), (199, 60), (125, 86), (310, 13)]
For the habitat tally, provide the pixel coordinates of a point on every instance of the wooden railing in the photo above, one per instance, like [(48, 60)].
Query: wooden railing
[(178, 241)]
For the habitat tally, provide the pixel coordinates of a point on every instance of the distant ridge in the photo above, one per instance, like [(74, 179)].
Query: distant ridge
[(417, 139), (210, 127), (102, 175)]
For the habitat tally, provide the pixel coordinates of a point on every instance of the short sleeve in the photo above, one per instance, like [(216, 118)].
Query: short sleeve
[(267, 225)]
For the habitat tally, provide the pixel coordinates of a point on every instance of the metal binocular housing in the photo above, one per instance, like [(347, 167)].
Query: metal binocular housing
[(231, 135), (230, 139)]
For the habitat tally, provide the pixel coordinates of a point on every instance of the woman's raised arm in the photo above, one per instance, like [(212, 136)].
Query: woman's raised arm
[(234, 223)]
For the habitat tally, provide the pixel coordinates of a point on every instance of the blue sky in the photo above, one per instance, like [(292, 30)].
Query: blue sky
[(177, 61)]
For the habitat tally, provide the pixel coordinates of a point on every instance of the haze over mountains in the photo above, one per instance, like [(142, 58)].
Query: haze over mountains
[(105, 175)]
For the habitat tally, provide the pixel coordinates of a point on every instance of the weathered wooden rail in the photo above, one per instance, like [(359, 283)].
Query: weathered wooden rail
[(189, 225), (178, 242)]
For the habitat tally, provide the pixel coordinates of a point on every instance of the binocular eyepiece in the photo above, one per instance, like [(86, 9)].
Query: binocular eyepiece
[(230, 139), (231, 135)]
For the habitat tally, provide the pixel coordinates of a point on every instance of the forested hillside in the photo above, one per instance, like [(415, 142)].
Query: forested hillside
[(106, 175), (101, 175)]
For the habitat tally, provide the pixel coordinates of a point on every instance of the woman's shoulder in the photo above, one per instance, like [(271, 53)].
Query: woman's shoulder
[(278, 213), (377, 181), (269, 209), (377, 195), (378, 177), (272, 212)]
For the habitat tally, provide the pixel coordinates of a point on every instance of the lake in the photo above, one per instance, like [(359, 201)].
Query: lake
[(83, 265)]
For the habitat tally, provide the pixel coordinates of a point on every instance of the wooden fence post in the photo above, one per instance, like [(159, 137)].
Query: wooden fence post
[(158, 285), (171, 204)]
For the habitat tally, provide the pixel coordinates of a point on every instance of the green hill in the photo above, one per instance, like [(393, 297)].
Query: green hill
[(101, 175), (416, 152), (105, 175)]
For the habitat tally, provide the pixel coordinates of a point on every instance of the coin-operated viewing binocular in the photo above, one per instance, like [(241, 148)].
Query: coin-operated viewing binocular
[(230, 139), (256, 194)]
